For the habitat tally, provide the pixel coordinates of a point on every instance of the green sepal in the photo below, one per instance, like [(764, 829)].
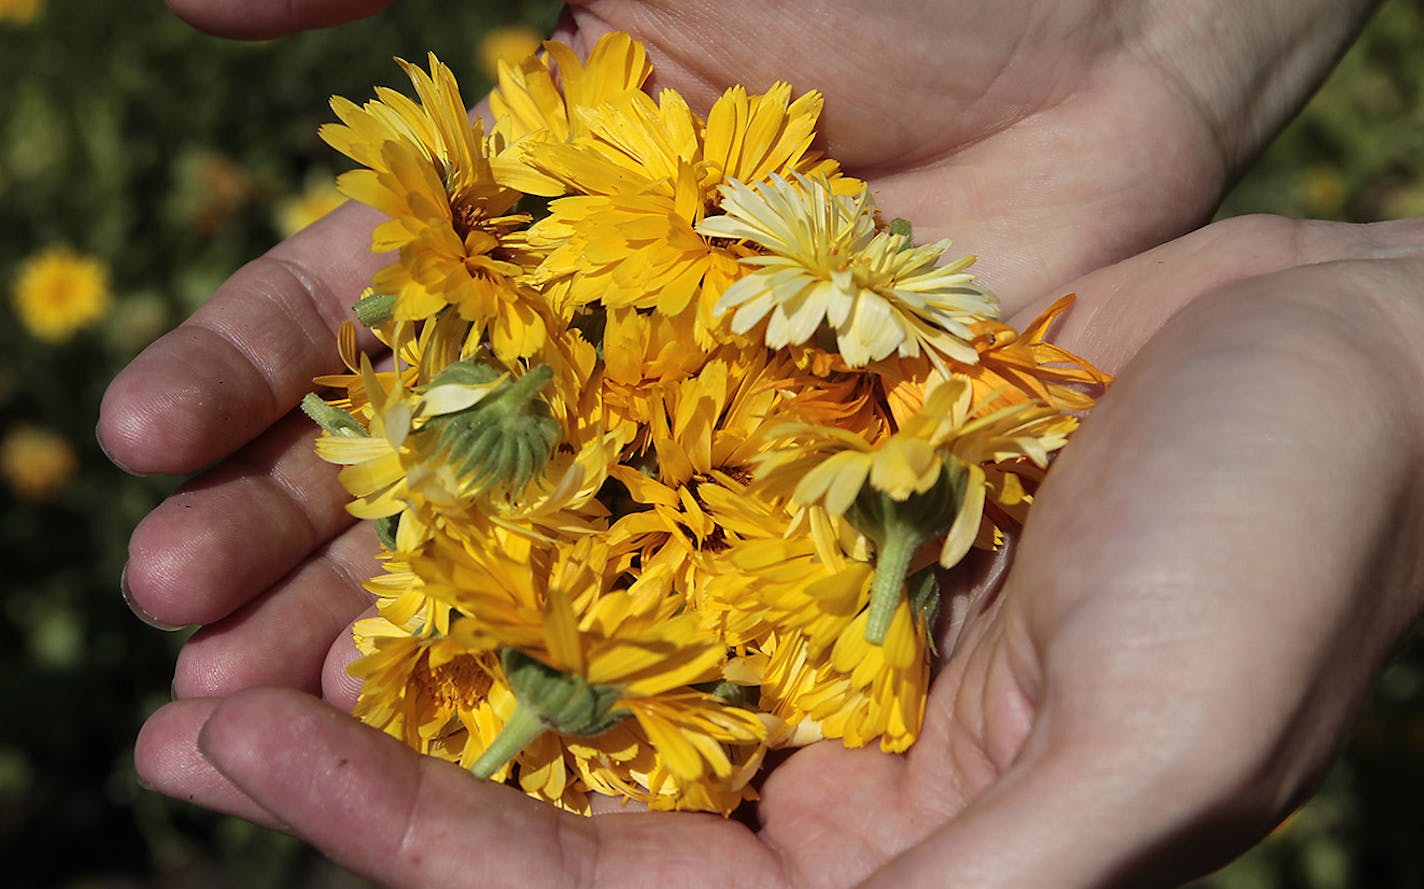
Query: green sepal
[(503, 440), (924, 600), (333, 419), (386, 528), (899, 528), (469, 372), (375, 308), (565, 703), (900, 226), (730, 692)]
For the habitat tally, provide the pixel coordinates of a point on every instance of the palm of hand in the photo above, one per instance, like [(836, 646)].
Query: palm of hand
[(987, 142)]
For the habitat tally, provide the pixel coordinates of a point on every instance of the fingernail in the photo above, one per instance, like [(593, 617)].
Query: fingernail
[(112, 459), (138, 610)]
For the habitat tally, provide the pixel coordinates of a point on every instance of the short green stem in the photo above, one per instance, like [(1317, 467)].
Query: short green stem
[(524, 725), (892, 563)]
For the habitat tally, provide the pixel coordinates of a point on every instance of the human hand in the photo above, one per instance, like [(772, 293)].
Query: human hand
[(191, 560), (1208, 582)]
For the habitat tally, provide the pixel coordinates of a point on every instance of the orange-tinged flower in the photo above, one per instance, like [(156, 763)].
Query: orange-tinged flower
[(1019, 366), (36, 463)]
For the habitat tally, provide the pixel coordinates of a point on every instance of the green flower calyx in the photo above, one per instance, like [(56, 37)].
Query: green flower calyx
[(548, 699), (899, 528), (503, 440)]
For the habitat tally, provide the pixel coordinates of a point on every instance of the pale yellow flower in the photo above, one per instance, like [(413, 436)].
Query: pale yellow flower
[(823, 265)]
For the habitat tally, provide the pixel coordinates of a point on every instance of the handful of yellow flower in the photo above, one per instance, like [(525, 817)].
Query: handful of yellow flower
[(677, 439)]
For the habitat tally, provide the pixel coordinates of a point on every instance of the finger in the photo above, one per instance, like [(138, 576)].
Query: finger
[(1122, 306), (282, 638), (338, 687), (261, 19), (167, 760), (246, 357), (401, 819), (232, 533)]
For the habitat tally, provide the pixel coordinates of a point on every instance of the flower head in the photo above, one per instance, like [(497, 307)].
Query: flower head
[(36, 462), (458, 239), (59, 291), (928, 479), (316, 199), (824, 268)]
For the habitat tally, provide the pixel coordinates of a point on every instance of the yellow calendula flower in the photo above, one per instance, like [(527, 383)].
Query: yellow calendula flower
[(645, 176), (429, 691), (36, 462), (584, 653), (803, 608), (931, 477), (538, 100), (59, 292), (471, 445), (452, 223), (823, 266)]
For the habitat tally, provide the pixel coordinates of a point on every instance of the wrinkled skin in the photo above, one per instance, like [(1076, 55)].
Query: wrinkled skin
[(1212, 575)]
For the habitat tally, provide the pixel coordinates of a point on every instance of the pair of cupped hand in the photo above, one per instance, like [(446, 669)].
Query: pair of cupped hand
[(1212, 577)]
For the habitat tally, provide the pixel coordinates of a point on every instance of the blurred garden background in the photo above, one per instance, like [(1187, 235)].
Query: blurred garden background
[(142, 162)]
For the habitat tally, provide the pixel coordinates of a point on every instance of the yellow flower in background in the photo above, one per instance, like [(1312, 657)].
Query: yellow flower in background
[(59, 291), (21, 12), (318, 198), (1324, 190), (510, 44), (825, 266), (36, 463)]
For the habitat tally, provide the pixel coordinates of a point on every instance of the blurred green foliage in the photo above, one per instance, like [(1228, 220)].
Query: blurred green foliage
[(168, 154)]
